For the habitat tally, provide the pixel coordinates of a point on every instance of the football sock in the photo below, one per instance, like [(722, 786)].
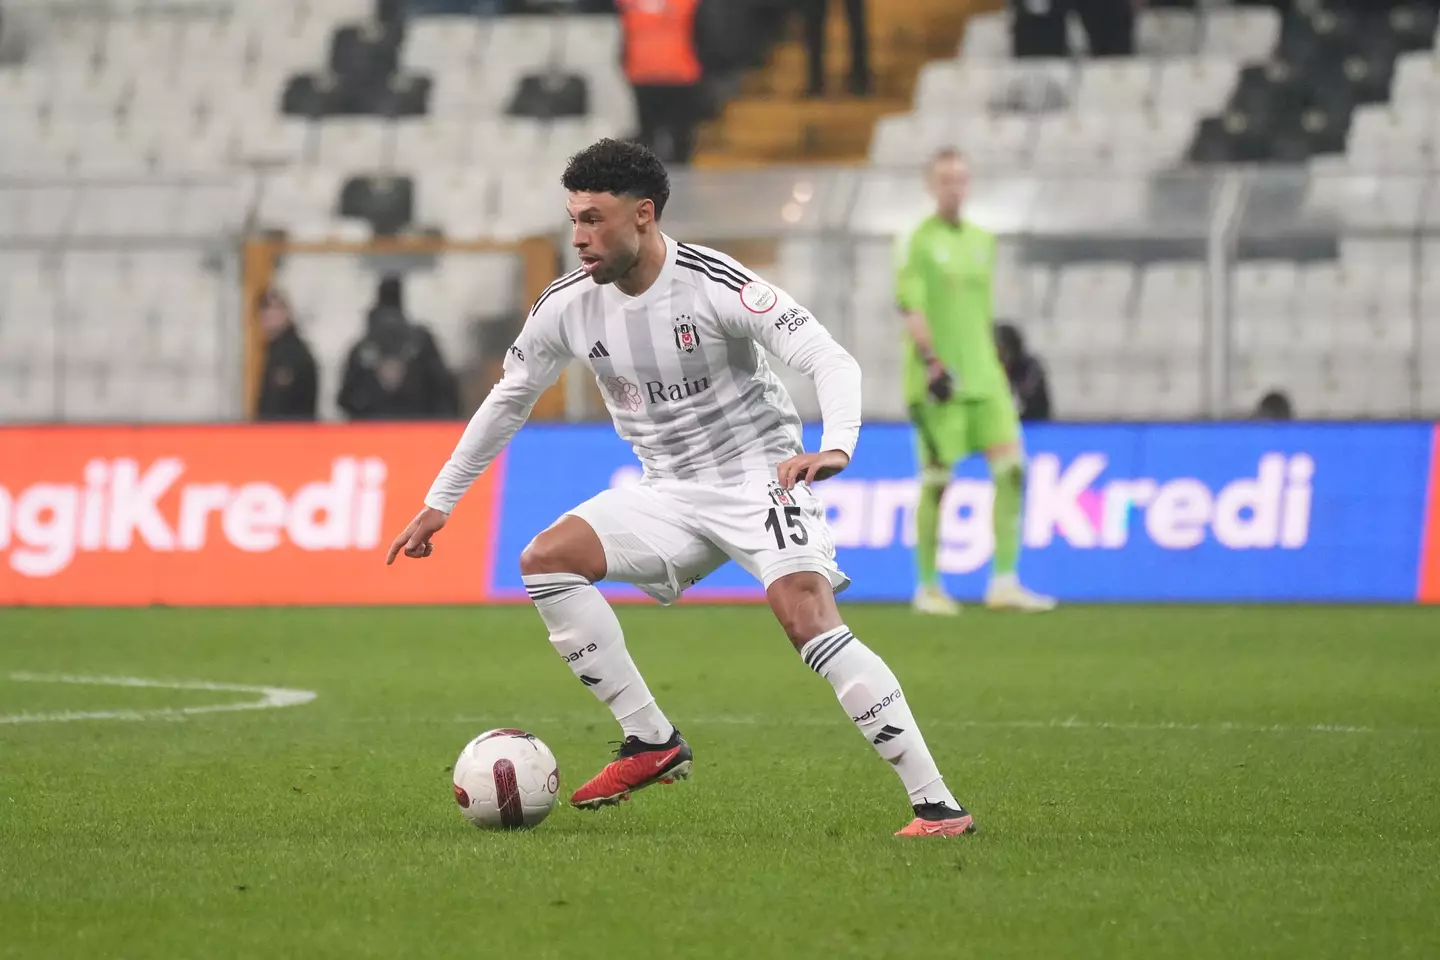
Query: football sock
[(872, 696), (927, 526), (1009, 477), (586, 633)]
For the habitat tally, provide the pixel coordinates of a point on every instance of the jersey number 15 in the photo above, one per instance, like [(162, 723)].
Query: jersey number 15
[(792, 520)]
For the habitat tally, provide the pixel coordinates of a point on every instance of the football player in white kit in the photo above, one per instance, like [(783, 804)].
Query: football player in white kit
[(673, 333)]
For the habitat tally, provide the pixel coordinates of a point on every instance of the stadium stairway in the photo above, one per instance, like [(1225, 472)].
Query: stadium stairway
[(772, 121)]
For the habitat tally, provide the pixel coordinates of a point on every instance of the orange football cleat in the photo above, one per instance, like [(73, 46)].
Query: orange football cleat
[(938, 820)]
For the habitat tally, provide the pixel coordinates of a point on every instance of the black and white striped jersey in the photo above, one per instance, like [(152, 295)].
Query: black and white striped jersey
[(681, 369)]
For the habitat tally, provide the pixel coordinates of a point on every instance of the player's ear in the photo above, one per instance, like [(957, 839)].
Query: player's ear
[(644, 212)]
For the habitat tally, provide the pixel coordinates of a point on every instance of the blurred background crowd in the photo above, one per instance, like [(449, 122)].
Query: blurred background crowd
[(300, 209)]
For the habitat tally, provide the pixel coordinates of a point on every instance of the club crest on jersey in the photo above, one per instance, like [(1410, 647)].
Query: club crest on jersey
[(687, 338), (780, 496)]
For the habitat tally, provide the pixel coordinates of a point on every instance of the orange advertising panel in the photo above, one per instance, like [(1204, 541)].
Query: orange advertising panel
[(218, 515), (1429, 591)]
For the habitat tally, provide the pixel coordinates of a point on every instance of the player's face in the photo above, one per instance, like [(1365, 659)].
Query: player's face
[(606, 233), (949, 182)]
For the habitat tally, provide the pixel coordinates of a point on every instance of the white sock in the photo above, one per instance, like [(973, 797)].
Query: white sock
[(1004, 581), (872, 696), (586, 633)]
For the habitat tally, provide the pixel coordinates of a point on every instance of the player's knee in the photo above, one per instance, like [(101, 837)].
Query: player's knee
[(560, 550), (804, 606), (1010, 469), (936, 475)]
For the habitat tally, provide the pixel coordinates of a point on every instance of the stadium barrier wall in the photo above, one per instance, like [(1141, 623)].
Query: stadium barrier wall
[(301, 514)]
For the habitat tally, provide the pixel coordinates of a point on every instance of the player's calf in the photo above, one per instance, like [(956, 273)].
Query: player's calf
[(557, 569), (866, 688)]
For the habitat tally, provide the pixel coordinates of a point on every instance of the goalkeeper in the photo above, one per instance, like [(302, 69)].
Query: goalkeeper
[(955, 386)]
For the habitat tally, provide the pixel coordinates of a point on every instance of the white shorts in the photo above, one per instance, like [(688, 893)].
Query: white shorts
[(665, 535)]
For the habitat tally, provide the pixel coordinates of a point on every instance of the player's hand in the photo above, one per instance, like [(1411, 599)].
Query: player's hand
[(415, 540), (940, 383), (809, 467)]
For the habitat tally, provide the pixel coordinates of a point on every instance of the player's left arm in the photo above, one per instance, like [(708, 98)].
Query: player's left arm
[(771, 317)]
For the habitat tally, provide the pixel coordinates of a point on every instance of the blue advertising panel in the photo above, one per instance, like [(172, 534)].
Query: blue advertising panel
[(1124, 512)]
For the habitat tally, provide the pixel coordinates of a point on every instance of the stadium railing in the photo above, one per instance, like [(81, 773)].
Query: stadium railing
[(1179, 296)]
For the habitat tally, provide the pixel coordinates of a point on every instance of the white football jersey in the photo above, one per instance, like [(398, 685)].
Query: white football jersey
[(681, 369)]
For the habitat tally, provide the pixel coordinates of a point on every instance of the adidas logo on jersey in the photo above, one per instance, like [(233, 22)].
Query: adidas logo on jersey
[(598, 351)]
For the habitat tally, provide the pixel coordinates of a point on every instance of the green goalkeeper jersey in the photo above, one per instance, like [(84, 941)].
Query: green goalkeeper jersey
[(944, 272)]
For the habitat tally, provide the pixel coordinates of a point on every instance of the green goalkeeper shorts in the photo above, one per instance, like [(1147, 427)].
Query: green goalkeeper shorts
[(946, 433)]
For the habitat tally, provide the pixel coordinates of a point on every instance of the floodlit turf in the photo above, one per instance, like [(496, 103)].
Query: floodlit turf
[(1149, 783)]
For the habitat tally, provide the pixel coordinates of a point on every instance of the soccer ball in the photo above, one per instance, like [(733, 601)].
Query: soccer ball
[(506, 779)]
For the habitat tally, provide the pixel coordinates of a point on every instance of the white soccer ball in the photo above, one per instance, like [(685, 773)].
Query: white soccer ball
[(506, 779)]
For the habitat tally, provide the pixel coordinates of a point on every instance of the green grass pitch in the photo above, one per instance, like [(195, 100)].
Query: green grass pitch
[(1149, 782)]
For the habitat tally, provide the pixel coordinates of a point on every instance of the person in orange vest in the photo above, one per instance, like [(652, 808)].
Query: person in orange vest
[(663, 66)]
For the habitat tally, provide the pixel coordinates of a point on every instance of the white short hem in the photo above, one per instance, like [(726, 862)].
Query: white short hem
[(838, 581)]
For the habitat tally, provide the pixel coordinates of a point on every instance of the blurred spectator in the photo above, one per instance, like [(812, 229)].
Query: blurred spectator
[(1275, 405), (1027, 377), (816, 13), (395, 372), (1038, 27), (662, 63), (288, 379)]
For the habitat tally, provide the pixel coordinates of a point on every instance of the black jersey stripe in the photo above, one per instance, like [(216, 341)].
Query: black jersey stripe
[(724, 281), (561, 279), (718, 264), (569, 280)]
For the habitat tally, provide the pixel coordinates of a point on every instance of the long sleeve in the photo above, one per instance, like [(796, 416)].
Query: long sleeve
[(533, 364), (773, 319)]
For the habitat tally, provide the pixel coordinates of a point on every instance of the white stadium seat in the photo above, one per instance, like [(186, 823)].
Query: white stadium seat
[(1248, 34)]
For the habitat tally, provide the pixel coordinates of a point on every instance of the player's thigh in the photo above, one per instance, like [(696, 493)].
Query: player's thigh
[(994, 426), (648, 540), (769, 531), (942, 434)]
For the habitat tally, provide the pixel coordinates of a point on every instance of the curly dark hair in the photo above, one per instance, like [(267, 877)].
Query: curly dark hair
[(619, 167)]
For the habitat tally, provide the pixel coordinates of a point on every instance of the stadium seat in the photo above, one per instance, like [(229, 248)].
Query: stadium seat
[(1249, 34), (1367, 200), (440, 45), (1163, 33), (460, 201), (991, 143), (1195, 86), (303, 195), (386, 202), (1077, 141), (1266, 288), (1090, 292), (1382, 138), (987, 37), (1115, 85), (1024, 293), (358, 143)]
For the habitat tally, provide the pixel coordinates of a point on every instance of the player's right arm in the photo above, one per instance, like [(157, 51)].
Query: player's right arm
[(532, 365), (910, 298)]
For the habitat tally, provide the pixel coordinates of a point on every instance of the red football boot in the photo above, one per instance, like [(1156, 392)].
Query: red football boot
[(637, 764)]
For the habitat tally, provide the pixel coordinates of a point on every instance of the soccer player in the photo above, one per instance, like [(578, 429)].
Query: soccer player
[(955, 385), (673, 333)]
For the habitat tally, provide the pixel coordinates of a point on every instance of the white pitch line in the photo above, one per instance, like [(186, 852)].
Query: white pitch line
[(270, 698), (1069, 723)]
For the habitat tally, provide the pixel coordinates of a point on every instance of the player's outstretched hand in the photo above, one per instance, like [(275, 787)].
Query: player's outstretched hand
[(415, 540), (809, 467)]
